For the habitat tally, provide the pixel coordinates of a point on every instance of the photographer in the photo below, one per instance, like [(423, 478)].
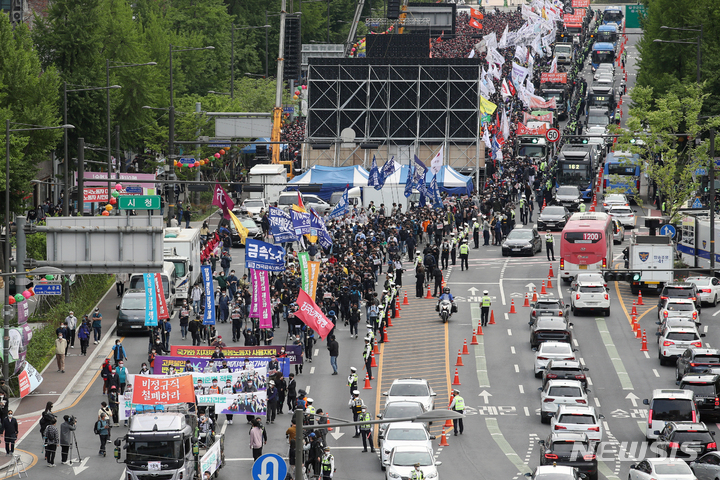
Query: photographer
[(66, 437)]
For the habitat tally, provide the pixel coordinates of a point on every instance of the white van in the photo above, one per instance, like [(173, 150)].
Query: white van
[(669, 405), (168, 282)]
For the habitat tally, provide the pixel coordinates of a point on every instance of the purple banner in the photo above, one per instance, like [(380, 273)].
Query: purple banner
[(264, 305), (207, 365), (255, 304), (23, 310)]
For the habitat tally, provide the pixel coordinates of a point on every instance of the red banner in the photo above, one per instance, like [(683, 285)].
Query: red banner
[(547, 77), (523, 130), (580, 3), (312, 316), (475, 24), (538, 103), (95, 194), (222, 200), (157, 390), (162, 309), (548, 117), (477, 15), (576, 19)]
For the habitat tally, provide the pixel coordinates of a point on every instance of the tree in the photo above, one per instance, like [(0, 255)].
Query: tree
[(668, 126)]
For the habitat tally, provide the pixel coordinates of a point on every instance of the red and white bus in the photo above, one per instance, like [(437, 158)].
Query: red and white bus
[(586, 244)]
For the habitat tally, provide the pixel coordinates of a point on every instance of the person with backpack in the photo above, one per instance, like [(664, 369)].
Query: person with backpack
[(46, 418), (102, 428), (52, 438)]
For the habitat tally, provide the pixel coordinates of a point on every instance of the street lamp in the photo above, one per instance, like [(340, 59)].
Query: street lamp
[(171, 130), (7, 312), (66, 200), (698, 41), (232, 52)]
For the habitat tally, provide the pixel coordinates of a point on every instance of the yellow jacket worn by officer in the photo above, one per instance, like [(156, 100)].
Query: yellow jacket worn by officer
[(476, 233), (549, 241), (458, 405), (485, 302), (366, 430), (327, 464), (464, 251), (417, 474)]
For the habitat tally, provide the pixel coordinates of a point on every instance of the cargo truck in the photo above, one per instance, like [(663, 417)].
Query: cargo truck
[(181, 247), (653, 256)]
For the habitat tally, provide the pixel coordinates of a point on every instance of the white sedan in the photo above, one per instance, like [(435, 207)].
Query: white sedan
[(708, 289), (623, 214), (402, 461), (551, 351), (590, 296), (404, 433), (560, 392), (661, 469), (614, 199)]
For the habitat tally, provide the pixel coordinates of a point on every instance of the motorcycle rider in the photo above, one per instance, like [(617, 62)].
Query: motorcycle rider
[(446, 295)]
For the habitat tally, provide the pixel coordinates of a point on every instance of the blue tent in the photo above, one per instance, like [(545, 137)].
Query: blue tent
[(448, 179), (251, 148)]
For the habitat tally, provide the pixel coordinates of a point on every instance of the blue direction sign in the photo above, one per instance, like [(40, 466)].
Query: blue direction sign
[(288, 109), (697, 203), (668, 230), (269, 467), (186, 160), (48, 289), (134, 189)]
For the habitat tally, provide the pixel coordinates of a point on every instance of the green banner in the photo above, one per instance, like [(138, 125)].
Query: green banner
[(303, 259), (634, 15)]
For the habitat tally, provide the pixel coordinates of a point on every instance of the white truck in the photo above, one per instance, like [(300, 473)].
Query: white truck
[(181, 247), (269, 179), (654, 257)]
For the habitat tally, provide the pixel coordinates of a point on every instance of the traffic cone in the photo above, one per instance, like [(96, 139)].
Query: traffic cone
[(549, 282), (639, 300), (479, 330), (534, 299), (542, 289), (443, 282), (390, 317), (465, 349), (405, 299), (443, 440), (637, 332), (459, 362), (397, 306), (512, 307), (592, 208), (551, 274), (544, 205), (327, 420), (456, 380), (448, 422), (634, 310), (474, 340), (373, 363), (367, 383), (644, 348), (428, 295), (385, 339), (375, 348), (527, 300), (492, 317)]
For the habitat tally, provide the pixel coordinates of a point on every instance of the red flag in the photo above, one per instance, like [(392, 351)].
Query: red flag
[(162, 310), (475, 24), (476, 14), (440, 37), (511, 87), (300, 202), (312, 316), (222, 199)]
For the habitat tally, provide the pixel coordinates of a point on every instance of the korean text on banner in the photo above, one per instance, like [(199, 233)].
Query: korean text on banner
[(212, 460), (314, 272), (222, 199), (162, 310), (264, 305), (311, 315), (301, 222), (293, 352), (157, 390), (281, 225), (303, 259), (547, 77), (209, 316), (255, 297), (28, 380), (341, 208), (252, 403), (264, 256), (151, 314)]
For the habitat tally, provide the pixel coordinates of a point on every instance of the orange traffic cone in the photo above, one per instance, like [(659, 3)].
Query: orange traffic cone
[(474, 340), (448, 422), (459, 362), (367, 383), (385, 339), (544, 205), (456, 380), (397, 307), (637, 331), (551, 274), (549, 282), (512, 306), (527, 300), (492, 317), (465, 349), (327, 420), (373, 363), (389, 318), (405, 299), (534, 299), (592, 208), (639, 300), (634, 310), (479, 330), (443, 281), (643, 347), (443, 440), (375, 349), (428, 295), (542, 289)]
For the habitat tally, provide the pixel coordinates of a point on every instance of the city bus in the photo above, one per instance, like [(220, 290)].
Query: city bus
[(586, 244), (602, 52), (621, 173), (613, 16), (575, 167), (607, 34)]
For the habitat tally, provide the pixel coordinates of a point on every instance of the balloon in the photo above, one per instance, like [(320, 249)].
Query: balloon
[(19, 297), (11, 300), (108, 207), (42, 280), (49, 277), (217, 155), (295, 97), (118, 187), (175, 163), (222, 152), (32, 292), (304, 87), (105, 213), (113, 201), (196, 164), (115, 194), (26, 294)]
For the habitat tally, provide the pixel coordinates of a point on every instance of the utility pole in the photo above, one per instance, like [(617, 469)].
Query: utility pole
[(711, 202)]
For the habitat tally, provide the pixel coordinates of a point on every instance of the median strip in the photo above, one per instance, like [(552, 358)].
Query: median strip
[(480, 360), (499, 438), (614, 355)]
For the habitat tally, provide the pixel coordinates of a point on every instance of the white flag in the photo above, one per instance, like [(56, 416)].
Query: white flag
[(530, 86), (504, 90), (472, 53), (437, 161), (553, 66), (505, 125), (503, 40), (486, 137)]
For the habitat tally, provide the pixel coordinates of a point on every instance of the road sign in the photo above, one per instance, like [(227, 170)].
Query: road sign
[(139, 202), (269, 467), (668, 230), (289, 109), (48, 289), (697, 203), (552, 135), (219, 145), (186, 160), (134, 189)]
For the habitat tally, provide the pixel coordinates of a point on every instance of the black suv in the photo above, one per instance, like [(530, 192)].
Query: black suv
[(696, 360), (685, 439), (706, 392), (572, 449), (548, 306), (680, 290), (550, 329), (565, 370)]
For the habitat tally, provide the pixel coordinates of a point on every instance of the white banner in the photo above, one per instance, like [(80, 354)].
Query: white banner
[(28, 380), (212, 460), (437, 162)]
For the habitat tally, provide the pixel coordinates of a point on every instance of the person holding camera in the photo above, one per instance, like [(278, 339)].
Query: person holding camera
[(66, 437)]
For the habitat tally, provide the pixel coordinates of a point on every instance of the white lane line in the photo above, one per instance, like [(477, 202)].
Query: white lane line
[(575, 342), (656, 372), (716, 313), (312, 370), (707, 345), (512, 350), (705, 329), (582, 361), (517, 369), (317, 352), (597, 402), (506, 316), (589, 380), (522, 390), (527, 411), (307, 389), (647, 355), (510, 332)]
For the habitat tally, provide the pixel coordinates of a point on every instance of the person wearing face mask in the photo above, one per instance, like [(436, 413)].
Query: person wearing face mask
[(122, 373), (10, 428), (60, 348), (144, 370), (118, 352), (66, 433), (218, 353)]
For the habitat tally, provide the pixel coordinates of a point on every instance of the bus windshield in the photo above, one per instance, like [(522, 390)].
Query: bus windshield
[(574, 173), (609, 37), (612, 16), (603, 56), (622, 169), (549, 95), (534, 151), (600, 100)]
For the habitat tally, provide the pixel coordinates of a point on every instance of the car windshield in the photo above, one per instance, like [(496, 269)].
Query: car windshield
[(415, 434), (615, 199), (247, 223), (138, 281), (680, 307), (564, 391), (553, 211), (535, 151), (578, 419), (563, 348), (621, 211), (700, 390), (520, 234), (675, 410), (563, 49), (409, 390), (133, 303), (682, 336), (677, 292), (568, 191), (408, 459), (679, 468), (566, 448), (707, 359), (698, 437), (395, 410), (588, 289), (550, 322), (154, 450), (554, 476), (598, 119), (547, 305), (566, 371), (254, 203)]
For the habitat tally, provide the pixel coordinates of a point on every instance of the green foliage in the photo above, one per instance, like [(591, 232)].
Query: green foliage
[(36, 246)]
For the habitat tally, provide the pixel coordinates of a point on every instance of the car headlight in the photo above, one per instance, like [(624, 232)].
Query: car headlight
[(576, 200), (431, 475), (393, 475)]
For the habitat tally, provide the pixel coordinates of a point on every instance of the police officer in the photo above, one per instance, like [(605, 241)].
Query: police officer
[(356, 405), (445, 254), (485, 310), (581, 207), (453, 247), (352, 381), (310, 412), (367, 357), (464, 251), (366, 430), (458, 405), (476, 233), (327, 464), (523, 210), (417, 474), (549, 246)]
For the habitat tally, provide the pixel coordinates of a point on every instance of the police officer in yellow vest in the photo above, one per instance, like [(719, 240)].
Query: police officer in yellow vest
[(486, 301), (310, 412), (417, 474), (366, 430), (457, 405), (356, 405), (581, 207), (352, 381), (327, 464), (476, 233), (464, 251), (549, 240)]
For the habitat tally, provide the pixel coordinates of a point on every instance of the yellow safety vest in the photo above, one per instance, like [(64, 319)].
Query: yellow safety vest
[(310, 410), (364, 417), (486, 301), (352, 379), (582, 208), (464, 249), (459, 403), (417, 475), (549, 238)]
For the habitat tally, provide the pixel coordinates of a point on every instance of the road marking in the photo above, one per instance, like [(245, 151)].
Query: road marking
[(502, 443), (506, 316), (527, 411), (517, 368), (589, 381), (512, 350), (582, 361), (597, 402), (510, 332), (656, 372), (607, 473), (575, 342), (316, 353), (647, 355), (706, 327), (614, 355), (480, 360), (312, 370), (707, 345), (522, 390)]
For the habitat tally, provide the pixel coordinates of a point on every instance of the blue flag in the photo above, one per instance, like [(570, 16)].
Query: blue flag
[(209, 316), (387, 170), (409, 181), (434, 193), (422, 201), (374, 176), (151, 315), (264, 256), (281, 226), (419, 176), (342, 206)]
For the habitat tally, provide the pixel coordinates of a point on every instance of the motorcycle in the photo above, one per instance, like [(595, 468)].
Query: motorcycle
[(445, 309)]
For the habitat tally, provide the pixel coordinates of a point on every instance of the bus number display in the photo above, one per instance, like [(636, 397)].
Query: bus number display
[(583, 237)]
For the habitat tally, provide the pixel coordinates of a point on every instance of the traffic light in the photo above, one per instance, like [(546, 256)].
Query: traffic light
[(622, 276), (704, 182)]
